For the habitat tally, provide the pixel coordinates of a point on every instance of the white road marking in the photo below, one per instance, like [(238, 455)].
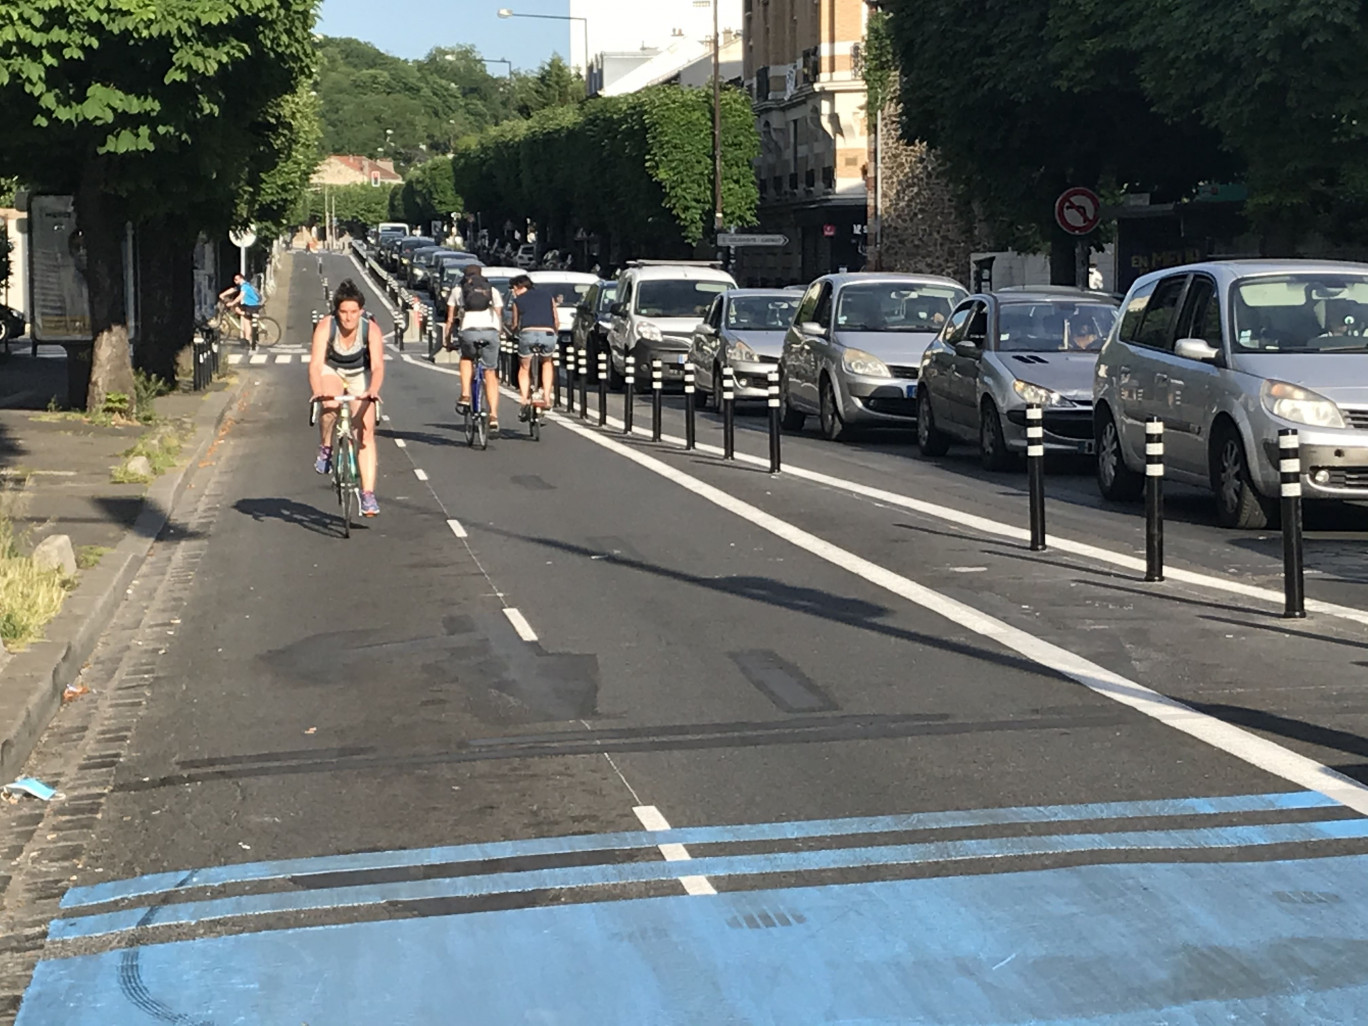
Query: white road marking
[(652, 819), (520, 624), (1257, 751), (401, 443), (286, 358), (384, 416), (258, 359), (234, 357), (420, 474), (457, 529)]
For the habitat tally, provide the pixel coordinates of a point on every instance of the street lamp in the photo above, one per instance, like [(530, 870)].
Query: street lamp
[(717, 113), (504, 12)]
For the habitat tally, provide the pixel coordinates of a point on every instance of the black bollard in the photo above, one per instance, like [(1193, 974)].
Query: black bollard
[(628, 394), (1289, 468), (256, 329), (657, 383), (728, 414), (773, 389), (325, 290), (571, 368), (1154, 499), (603, 388), (584, 384), (1035, 473), (689, 437)]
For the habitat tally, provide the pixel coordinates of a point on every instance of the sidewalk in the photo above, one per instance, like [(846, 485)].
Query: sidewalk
[(57, 470)]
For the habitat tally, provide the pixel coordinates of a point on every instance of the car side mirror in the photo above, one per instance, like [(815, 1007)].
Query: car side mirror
[(1196, 349), (616, 309), (969, 347), (812, 328), (704, 328)]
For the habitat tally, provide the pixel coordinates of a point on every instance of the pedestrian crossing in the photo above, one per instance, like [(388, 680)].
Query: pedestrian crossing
[(277, 355)]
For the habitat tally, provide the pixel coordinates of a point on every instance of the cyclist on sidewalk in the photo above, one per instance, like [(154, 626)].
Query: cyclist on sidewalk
[(246, 299), (480, 308), (534, 323), (349, 357)]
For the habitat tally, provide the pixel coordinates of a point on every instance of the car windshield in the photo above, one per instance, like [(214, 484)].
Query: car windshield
[(677, 298), (568, 293), (1054, 326), (606, 297), (895, 306), (1302, 313), (762, 313)]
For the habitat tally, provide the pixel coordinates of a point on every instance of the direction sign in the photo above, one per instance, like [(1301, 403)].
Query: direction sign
[(1078, 210), (742, 239), (243, 239)]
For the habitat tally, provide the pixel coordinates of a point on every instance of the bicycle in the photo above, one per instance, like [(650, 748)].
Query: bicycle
[(229, 326), (477, 410), (346, 475), (537, 415)]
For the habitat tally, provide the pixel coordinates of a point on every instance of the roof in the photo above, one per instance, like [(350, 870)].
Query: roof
[(666, 272), (547, 274), (1229, 270), (855, 277), (769, 293), (1036, 293), (362, 168)]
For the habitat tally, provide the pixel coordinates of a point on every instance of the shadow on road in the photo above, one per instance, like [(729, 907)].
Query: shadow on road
[(1262, 722), (292, 512)]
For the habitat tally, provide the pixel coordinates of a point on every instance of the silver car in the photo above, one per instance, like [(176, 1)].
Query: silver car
[(1226, 354), (999, 353), (744, 330), (854, 349)]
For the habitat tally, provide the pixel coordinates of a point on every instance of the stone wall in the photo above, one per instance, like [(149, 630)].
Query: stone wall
[(922, 228)]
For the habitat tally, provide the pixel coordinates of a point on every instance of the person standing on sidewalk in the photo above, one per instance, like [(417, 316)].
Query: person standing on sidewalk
[(534, 323), (480, 308)]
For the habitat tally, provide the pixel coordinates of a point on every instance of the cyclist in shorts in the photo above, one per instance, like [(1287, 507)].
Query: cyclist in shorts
[(243, 295), (481, 311), (534, 323), (349, 357)]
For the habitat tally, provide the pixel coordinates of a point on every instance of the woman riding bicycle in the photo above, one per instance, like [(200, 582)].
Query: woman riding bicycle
[(534, 323), (349, 357)]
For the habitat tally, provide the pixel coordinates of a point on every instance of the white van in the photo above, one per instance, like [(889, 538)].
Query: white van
[(658, 306)]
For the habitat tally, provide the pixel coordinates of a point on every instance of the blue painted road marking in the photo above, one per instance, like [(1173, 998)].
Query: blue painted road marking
[(1113, 945), (159, 883)]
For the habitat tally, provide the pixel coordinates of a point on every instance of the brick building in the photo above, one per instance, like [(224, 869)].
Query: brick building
[(344, 169)]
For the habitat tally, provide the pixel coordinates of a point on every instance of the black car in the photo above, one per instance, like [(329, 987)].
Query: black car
[(592, 321), (11, 324)]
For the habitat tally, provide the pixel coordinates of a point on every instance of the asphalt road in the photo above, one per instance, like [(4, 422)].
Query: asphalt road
[(595, 730)]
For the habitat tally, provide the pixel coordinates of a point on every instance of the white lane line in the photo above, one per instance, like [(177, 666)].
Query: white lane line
[(420, 474), (384, 416), (401, 443), (457, 529), (286, 358), (1257, 751), (520, 624), (234, 357), (652, 819), (258, 360)]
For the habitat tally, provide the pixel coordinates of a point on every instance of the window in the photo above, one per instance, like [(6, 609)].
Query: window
[(1156, 326), (1301, 313), (954, 328), (715, 312), (808, 308), (606, 293), (677, 297), (761, 313), (895, 306), (1134, 312), (1057, 326), (1201, 313), (822, 315)]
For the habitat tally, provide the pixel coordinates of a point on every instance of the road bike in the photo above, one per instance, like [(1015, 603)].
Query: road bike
[(346, 474), (229, 326), (537, 414), (477, 410)]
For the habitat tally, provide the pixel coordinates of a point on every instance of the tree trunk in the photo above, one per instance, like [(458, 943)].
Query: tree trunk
[(166, 284), (1063, 256), (111, 365)]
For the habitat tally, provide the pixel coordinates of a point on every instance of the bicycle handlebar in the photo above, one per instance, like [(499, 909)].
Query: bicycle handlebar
[(315, 402)]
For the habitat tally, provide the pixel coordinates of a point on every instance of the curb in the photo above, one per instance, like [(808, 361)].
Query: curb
[(33, 682)]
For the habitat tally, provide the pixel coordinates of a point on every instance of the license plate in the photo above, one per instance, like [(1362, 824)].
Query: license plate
[(911, 391)]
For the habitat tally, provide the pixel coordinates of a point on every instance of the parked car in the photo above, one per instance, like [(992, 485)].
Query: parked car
[(12, 323), (403, 253), (593, 318), (526, 256), (1227, 353), (447, 268), (744, 330), (1000, 352), (654, 314), (853, 352), (388, 249), (420, 262)]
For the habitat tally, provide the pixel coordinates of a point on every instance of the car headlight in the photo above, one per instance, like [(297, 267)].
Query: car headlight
[(857, 361), (1300, 405), (649, 332), (1039, 394), (741, 351)]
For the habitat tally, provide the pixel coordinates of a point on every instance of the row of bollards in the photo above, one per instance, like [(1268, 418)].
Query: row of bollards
[(204, 351), (1289, 472)]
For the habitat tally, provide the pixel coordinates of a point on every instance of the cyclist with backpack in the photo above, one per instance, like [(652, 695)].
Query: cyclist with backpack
[(349, 357), (480, 308)]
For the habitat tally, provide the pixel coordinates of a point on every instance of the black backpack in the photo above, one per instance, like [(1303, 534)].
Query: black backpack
[(476, 293)]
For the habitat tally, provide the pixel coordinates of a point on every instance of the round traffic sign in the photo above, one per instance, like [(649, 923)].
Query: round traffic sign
[(1078, 210), (242, 238)]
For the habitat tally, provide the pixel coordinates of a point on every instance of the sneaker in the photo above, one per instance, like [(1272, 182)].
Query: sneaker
[(323, 464), (462, 407), (369, 507)]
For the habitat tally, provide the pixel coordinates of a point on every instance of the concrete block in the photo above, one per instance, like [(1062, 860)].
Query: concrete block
[(55, 553)]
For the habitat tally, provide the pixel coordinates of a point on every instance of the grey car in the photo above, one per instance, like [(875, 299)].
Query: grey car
[(1227, 354), (853, 352), (744, 330), (1000, 352)]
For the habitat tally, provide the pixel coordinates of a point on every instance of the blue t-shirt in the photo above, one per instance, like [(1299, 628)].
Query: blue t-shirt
[(250, 296)]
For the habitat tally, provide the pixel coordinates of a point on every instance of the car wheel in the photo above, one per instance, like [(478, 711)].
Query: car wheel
[(1238, 503), (789, 418), (4, 329), (1115, 480), (833, 427), (992, 445), (930, 439)]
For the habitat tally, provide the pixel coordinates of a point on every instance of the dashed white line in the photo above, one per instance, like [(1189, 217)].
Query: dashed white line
[(401, 443), (235, 357), (520, 624), (420, 474), (457, 529), (258, 359), (653, 820), (285, 358)]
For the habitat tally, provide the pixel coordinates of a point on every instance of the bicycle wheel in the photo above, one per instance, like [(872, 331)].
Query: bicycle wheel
[(345, 480), (268, 331), (534, 424), (482, 431)]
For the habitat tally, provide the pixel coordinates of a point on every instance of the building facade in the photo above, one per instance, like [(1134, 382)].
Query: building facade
[(801, 67), (347, 169), (622, 27)]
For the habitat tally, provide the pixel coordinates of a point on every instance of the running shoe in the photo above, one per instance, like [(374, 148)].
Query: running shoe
[(369, 507), (323, 464)]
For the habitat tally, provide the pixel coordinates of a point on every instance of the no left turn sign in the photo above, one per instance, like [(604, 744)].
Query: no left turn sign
[(1078, 210)]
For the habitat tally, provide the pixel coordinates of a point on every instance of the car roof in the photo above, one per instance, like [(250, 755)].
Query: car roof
[(502, 272), (843, 278), (1227, 271), (667, 272), (577, 277), (1045, 293), (770, 293)]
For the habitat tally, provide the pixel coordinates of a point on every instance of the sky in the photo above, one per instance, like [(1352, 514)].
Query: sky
[(410, 28)]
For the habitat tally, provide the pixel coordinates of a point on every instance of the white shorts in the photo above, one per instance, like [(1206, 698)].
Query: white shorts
[(353, 379)]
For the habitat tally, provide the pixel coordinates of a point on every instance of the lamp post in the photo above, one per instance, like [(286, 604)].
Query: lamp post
[(504, 12), (717, 113)]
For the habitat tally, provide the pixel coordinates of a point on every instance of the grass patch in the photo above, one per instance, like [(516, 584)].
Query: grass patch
[(88, 556), (161, 446), (119, 409), (29, 596)]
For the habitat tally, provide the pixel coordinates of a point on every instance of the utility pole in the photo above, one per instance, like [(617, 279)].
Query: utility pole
[(717, 122)]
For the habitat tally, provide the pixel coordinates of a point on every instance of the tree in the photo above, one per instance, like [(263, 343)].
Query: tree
[(357, 207), (552, 85), (148, 115), (429, 193)]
